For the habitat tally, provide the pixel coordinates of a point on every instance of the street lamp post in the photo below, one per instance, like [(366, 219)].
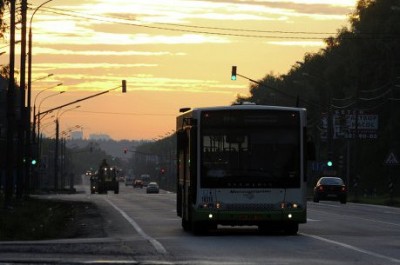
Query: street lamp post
[(124, 89), (39, 113), (30, 56), (10, 114), (34, 109), (29, 87), (56, 151)]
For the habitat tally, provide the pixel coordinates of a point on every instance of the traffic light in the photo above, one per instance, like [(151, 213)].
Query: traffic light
[(123, 86), (329, 162), (233, 75), (341, 162), (162, 171), (33, 162)]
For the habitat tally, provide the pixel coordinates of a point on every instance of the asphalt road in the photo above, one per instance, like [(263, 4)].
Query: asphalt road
[(144, 229)]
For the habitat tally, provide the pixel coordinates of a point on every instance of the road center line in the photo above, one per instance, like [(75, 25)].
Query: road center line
[(370, 253), (157, 245)]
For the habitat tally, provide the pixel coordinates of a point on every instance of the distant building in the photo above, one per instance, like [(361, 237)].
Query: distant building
[(77, 135), (99, 137)]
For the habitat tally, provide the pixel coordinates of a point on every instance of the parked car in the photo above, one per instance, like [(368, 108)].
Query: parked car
[(138, 183), (152, 187), (330, 189)]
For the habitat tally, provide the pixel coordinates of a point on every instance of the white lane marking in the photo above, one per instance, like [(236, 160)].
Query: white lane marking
[(157, 245), (373, 254)]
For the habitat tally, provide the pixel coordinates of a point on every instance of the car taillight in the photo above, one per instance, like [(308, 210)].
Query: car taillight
[(320, 188), (343, 189)]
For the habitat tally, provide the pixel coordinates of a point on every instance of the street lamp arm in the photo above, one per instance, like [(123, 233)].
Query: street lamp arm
[(60, 114), (40, 92), (36, 9), (43, 77), (52, 95)]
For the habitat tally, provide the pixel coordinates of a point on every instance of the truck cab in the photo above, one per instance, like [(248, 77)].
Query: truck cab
[(104, 179)]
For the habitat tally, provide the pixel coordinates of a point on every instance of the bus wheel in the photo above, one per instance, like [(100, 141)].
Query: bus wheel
[(185, 225), (199, 228)]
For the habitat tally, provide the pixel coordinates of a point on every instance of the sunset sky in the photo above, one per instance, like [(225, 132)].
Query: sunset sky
[(172, 53)]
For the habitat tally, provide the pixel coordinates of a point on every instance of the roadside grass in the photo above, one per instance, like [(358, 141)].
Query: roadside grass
[(40, 219)]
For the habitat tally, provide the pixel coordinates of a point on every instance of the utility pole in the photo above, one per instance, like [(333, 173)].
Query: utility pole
[(10, 114), (56, 155), (21, 154), (27, 108)]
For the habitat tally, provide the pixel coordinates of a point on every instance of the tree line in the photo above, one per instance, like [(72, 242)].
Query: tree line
[(357, 72)]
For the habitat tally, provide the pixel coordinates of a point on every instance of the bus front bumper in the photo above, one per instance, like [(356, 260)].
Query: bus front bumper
[(249, 218)]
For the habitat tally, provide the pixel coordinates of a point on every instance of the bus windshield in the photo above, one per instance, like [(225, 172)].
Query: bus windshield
[(253, 149)]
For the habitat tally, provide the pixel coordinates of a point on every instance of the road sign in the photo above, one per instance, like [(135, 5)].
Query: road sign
[(392, 160)]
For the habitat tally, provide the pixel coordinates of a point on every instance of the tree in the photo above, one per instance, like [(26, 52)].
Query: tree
[(2, 22), (359, 69)]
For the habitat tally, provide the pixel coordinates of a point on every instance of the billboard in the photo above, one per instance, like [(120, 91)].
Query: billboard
[(344, 125)]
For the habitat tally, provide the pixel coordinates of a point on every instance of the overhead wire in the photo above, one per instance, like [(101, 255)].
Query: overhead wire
[(178, 28), (221, 31), (125, 113), (201, 29)]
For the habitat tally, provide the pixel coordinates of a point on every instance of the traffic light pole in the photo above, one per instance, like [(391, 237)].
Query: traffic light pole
[(86, 98), (234, 74), (57, 124)]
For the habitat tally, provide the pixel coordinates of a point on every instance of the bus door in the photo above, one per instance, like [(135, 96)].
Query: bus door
[(186, 192), (182, 170)]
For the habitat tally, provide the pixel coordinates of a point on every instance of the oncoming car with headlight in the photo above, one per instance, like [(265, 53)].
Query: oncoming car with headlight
[(152, 187)]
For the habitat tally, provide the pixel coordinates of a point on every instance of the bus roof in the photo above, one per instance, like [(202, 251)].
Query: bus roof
[(249, 106)]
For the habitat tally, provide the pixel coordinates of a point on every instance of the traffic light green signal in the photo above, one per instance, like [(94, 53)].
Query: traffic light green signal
[(233, 75), (33, 162), (329, 163)]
